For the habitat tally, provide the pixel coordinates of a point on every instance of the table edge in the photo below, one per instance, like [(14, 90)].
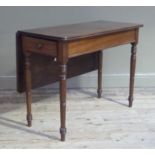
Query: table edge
[(56, 38)]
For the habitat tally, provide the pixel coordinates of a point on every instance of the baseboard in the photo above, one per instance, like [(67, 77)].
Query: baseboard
[(90, 81)]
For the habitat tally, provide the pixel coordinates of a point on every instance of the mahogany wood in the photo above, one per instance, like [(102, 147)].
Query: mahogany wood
[(100, 58), (47, 55), (42, 68), (132, 72), (62, 60), (89, 45), (28, 87), (80, 30), (19, 64), (39, 46)]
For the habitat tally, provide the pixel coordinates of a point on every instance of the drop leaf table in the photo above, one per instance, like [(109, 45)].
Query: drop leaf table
[(51, 54)]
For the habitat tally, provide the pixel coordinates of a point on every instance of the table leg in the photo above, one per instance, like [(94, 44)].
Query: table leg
[(28, 88), (99, 90), (132, 72), (63, 70)]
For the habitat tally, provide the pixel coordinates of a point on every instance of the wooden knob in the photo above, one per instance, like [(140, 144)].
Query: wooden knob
[(39, 45)]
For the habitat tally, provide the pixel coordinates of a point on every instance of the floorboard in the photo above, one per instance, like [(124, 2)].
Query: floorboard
[(91, 122)]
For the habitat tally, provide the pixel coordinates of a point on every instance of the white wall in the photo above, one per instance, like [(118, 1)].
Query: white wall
[(116, 60)]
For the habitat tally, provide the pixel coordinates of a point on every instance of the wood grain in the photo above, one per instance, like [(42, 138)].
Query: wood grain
[(28, 87), (64, 43), (80, 30), (40, 46), (92, 123), (82, 64), (85, 46)]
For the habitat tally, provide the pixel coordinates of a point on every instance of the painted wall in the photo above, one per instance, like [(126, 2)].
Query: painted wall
[(116, 60)]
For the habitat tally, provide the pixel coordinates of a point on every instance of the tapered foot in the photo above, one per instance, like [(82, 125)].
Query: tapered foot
[(99, 93), (29, 120), (130, 99), (63, 133)]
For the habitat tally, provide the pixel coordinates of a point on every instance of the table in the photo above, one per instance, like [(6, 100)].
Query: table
[(51, 54)]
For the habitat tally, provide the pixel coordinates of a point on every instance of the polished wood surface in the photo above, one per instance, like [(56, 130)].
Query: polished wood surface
[(47, 55), (132, 72), (62, 63), (27, 73), (88, 45), (39, 46), (41, 67), (81, 30), (100, 64)]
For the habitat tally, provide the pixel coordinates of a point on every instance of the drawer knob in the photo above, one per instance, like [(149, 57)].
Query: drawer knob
[(39, 45)]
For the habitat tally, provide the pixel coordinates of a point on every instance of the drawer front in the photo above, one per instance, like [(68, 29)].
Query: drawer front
[(41, 46)]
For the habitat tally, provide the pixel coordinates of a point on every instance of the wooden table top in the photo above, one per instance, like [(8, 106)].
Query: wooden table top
[(80, 30)]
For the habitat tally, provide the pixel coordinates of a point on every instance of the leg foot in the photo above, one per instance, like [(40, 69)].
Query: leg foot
[(63, 133), (29, 120), (99, 93), (130, 99)]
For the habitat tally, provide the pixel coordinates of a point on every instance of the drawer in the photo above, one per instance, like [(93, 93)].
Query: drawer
[(41, 46)]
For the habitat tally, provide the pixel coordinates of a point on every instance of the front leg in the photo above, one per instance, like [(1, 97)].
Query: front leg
[(63, 71), (132, 72)]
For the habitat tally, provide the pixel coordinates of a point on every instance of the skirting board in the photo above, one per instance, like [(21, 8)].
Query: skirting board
[(90, 81)]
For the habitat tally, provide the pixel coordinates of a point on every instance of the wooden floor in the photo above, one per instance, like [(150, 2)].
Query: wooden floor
[(91, 122)]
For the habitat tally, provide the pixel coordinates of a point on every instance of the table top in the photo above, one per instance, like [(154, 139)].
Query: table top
[(80, 30)]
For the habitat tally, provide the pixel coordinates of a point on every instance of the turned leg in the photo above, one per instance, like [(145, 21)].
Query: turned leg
[(28, 88), (132, 72), (63, 70), (99, 90)]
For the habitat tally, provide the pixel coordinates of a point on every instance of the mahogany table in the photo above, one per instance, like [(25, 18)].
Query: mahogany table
[(47, 55)]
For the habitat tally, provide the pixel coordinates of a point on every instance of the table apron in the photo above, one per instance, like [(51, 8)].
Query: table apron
[(90, 45)]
